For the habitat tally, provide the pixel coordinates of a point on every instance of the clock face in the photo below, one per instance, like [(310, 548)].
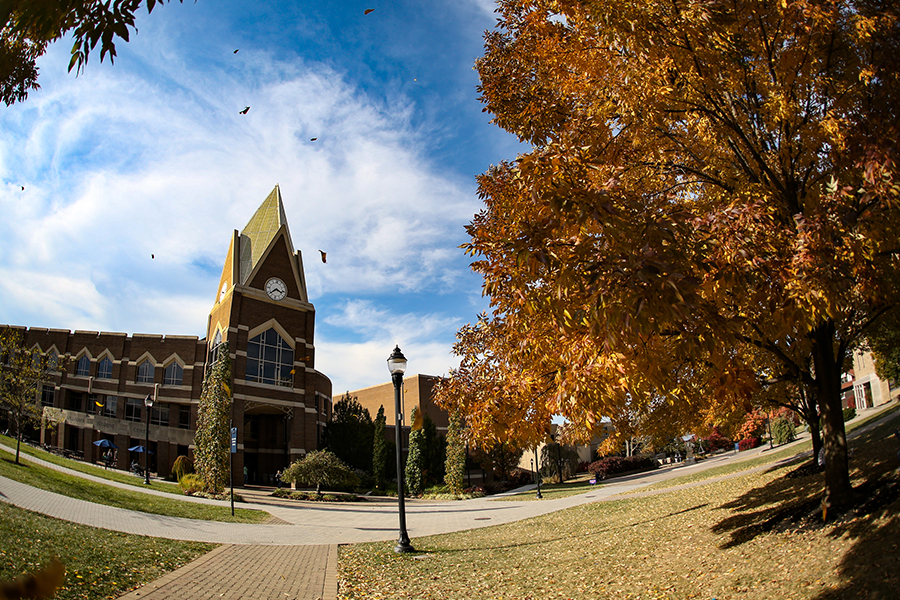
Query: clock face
[(223, 291), (276, 289)]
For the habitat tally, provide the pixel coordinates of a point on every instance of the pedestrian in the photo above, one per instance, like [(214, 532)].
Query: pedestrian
[(246, 477), (278, 479)]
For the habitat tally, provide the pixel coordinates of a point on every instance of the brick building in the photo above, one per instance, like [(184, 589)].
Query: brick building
[(261, 308)]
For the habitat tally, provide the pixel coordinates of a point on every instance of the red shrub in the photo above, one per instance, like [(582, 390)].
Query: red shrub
[(748, 443)]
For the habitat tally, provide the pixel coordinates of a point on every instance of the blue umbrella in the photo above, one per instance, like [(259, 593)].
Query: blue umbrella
[(139, 449), (105, 444)]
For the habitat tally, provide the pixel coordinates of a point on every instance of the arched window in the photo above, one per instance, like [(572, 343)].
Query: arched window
[(83, 366), (53, 361), (270, 359), (214, 349), (104, 368), (174, 374), (145, 372)]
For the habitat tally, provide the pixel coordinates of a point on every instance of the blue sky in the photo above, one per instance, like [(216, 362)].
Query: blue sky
[(150, 156)]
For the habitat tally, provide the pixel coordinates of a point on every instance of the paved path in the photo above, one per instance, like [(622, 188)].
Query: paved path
[(297, 558)]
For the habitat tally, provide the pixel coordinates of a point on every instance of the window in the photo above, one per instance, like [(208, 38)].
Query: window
[(83, 366), (174, 374), (48, 394), (159, 415), (109, 408), (73, 401), (184, 417), (133, 408), (270, 359), (53, 361), (145, 372), (104, 368)]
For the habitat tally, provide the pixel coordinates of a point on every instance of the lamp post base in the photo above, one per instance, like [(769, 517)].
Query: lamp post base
[(403, 546)]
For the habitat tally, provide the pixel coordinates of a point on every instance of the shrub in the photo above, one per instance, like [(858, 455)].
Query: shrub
[(181, 467), (519, 477), (321, 468), (190, 483), (849, 413), (782, 431), (748, 443), (717, 441), (613, 465)]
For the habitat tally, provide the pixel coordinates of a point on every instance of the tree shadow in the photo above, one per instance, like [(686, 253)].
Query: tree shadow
[(869, 569)]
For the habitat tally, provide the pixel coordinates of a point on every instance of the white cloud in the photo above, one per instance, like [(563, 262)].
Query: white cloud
[(353, 366), (117, 167)]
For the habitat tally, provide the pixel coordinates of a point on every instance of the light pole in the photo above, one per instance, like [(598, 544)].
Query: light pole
[(397, 365), (537, 475), (148, 402)]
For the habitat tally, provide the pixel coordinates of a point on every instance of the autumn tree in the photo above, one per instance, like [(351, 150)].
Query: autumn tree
[(22, 370), (212, 440), (29, 26), (705, 212)]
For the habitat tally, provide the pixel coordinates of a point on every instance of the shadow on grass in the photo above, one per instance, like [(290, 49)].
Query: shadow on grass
[(793, 502), (593, 532)]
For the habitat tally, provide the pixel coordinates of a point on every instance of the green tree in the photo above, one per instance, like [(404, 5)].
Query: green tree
[(350, 433), (782, 430), (415, 458), (322, 469), (455, 464), (22, 370), (555, 456), (379, 451), (212, 440), (29, 26), (705, 212), (435, 453)]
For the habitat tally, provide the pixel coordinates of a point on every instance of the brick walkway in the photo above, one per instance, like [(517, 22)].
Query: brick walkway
[(250, 573)]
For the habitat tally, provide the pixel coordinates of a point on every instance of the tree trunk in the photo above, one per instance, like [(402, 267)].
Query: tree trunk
[(838, 491), (810, 414), (18, 437), (816, 439)]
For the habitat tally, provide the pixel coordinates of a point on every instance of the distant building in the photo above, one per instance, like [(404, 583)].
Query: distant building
[(869, 390), (261, 308), (418, 390)]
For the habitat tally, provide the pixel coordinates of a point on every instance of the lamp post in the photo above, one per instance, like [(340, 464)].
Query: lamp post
[(537, 473), (148, 402), (397, 365)]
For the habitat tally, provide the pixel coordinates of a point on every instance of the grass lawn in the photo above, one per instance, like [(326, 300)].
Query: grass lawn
[(83, 489), (90, 469), (549, 491), (768, 456), (99, 563), (757, 536)]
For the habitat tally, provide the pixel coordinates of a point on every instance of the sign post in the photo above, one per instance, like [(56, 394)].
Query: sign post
[(231, 464)]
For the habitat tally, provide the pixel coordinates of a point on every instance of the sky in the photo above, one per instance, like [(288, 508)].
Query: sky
[(150, 156)]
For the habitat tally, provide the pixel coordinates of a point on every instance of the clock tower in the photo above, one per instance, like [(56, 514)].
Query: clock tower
[(281, 402)]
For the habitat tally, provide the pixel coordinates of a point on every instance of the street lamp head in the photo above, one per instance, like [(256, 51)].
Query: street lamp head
[(148, 401), (396, 362)]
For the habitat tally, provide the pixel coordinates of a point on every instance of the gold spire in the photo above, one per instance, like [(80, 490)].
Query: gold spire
[(260, 230)]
